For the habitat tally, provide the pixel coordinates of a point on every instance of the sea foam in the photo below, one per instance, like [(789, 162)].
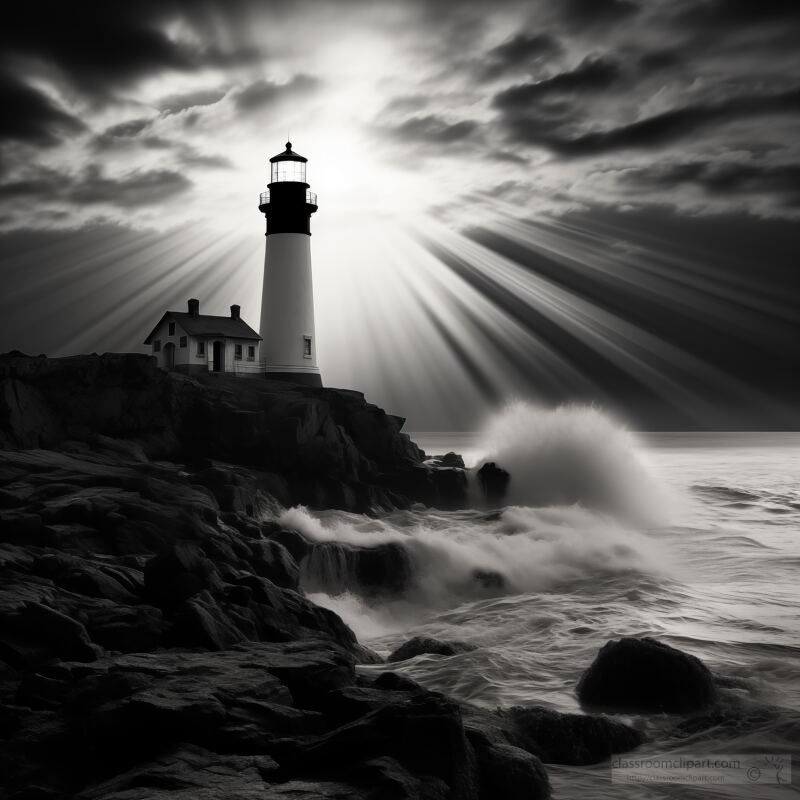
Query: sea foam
[(580, 494), (574, 455)]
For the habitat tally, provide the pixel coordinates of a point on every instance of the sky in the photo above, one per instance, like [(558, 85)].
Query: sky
[(575, 201)]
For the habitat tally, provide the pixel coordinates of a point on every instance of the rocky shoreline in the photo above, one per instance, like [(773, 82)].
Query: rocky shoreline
[(155, 638)]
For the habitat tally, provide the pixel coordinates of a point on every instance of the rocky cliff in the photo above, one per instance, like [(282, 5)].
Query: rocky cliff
[(155, 640), (327, 448)]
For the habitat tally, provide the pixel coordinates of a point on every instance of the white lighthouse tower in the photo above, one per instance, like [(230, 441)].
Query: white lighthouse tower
[(287, 301)]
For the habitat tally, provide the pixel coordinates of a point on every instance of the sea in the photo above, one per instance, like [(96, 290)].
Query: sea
[(691, 538)]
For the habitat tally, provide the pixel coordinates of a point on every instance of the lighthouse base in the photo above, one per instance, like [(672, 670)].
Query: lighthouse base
[(305, 378)]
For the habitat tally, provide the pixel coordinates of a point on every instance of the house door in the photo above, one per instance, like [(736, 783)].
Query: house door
[(169, 356), (219, 357)]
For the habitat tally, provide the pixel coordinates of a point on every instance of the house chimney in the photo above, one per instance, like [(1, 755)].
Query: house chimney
[(194, 307), (235, 312)]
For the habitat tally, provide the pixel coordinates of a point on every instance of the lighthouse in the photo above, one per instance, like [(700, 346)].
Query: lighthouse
[(289, 347)]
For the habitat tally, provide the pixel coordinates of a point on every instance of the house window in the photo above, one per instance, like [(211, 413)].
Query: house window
[(237, 352), (251, 352), (306, 347), (201, 348), (171, 328), (182, 341), (157, 346)]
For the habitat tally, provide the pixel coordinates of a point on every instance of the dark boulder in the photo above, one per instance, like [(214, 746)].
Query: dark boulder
[(450, 459), (493, 481), (508, 772), (574, 739), (426, 644), (450, 486), (646, 675)]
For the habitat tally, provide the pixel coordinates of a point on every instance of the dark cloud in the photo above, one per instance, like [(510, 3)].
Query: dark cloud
[(586, 13), (101, 47), (523, 51), (781, 181), (91, 187), (726, 13), (654, 131), (594, 73), (31, 117), (433, 129), (139, 188), (126, 136), (174, 103), (128, 129), (265, 93), (406, 104), (188, 157)]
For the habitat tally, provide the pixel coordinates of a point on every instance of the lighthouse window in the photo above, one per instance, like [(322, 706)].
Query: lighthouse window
[(201, 348), (306, 347), (172, 329), (157, 346), (182, 341), (237, 351), (251, 352), (288, 171)]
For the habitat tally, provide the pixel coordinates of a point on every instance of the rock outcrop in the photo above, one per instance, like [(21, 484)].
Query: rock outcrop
[(646, 675), (426, 644), (155, 637), (326, 448)]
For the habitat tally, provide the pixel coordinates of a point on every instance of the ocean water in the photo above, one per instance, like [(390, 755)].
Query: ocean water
[(691, 538)]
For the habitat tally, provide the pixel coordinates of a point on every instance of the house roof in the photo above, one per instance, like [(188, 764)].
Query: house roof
[(207, 325)]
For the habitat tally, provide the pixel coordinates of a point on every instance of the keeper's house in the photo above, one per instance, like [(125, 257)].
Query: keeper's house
[(188, 341)]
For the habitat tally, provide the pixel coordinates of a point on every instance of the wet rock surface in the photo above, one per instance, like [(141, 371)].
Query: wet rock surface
[(426, 644), (646, 675), (155, 638)]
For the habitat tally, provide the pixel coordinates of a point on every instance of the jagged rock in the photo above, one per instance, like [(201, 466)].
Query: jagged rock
[(450, 486), (426, 644), (571, 738), (450, 459), (424, 734), (270, 559), (179, 573), (200, 622), (189, 773), (646, 675), (127, 629), (66, 635), (493, 481)]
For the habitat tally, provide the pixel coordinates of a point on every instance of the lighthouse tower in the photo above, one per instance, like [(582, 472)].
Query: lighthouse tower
[(288, 343)]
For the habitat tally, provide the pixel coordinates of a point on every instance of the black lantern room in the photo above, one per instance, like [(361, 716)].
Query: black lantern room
[(288, 203)]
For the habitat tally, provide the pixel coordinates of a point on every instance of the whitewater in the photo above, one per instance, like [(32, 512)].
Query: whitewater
[(689, 538)]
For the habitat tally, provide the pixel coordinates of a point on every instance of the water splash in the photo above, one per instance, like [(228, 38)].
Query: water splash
[(575, 455)]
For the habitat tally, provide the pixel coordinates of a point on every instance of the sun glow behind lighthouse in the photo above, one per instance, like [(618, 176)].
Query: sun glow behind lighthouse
[(459, 256)]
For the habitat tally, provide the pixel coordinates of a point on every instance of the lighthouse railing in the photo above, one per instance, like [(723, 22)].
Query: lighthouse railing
[(311, 197)]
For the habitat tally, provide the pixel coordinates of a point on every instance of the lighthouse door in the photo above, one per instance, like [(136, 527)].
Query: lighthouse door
[(219, 357)]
